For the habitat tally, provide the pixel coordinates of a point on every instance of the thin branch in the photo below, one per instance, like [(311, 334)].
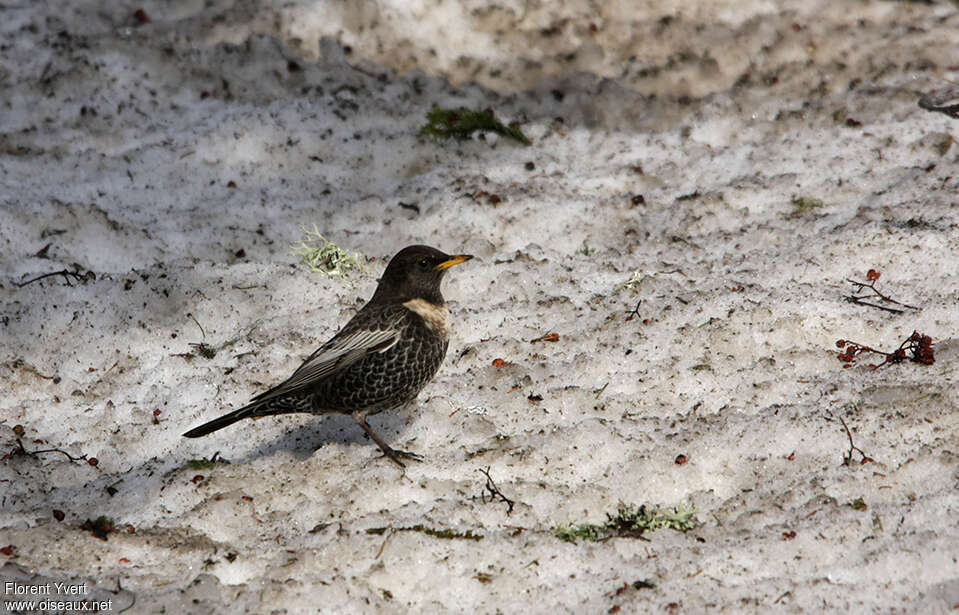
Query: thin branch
[(859, 301), (494, 490), (202, 332), (872, 277), (847, 459), (66, 273), (917, 348), (20, 450)]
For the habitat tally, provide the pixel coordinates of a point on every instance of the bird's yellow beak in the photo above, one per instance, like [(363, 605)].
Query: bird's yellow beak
[(454, 260)]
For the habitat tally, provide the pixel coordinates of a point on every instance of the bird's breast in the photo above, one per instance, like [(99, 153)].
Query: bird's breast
[(436, 317)]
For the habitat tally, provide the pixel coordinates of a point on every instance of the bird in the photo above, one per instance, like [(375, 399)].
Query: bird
[(380, 360)]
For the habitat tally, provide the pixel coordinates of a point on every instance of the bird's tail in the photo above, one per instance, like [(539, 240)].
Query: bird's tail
[(246, 412)]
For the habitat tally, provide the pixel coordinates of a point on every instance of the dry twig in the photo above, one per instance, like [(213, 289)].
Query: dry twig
[(872, 276), (916, 348), (494, 491)]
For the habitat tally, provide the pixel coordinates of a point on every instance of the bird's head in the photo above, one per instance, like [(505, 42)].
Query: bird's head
[(416, 272)]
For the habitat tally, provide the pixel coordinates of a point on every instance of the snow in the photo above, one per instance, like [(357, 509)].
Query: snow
[(180, 161)]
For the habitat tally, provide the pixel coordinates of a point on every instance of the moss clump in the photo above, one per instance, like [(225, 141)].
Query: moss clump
[(631, 522), (322, 256), (204, 350), (443, 123), (858, 504), (204, 464), (429, 531), (584, 531), (99, 527), (805, 205), (632, 284), (199, 464)]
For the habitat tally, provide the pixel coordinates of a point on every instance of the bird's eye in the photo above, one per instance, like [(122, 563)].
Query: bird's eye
[(424, 263)]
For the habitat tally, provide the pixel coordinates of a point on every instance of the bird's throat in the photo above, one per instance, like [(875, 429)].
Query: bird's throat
[(436, 317)]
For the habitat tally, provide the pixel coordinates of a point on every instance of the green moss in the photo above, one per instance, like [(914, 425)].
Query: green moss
[(99, 527), (585, 531), (805, 205), (632, 284), (322, 256), (444, 123), (203, 464), (429, 531), (631, 522), (205, 350), (199, 464)]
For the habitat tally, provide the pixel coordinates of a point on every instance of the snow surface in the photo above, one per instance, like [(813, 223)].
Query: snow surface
[(180, 160)]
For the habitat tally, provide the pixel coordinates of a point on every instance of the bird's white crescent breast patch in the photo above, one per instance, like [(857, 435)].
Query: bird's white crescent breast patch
[(437, 317)]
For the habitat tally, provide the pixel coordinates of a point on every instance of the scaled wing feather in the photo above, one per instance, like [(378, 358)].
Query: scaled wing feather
[(332, 357)]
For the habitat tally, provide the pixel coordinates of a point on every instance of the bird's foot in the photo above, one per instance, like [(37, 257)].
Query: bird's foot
[(396, 455), (388, 451)]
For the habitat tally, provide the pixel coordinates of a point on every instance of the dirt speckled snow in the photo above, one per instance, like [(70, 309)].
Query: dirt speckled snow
[(703, 180)]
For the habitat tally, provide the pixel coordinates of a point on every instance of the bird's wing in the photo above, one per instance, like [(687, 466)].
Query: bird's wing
[(335, 355)]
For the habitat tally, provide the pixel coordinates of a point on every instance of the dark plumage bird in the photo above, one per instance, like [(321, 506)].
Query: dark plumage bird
[(380, 360)]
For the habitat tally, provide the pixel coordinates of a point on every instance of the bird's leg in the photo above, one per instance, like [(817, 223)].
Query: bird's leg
[(392, 453)]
